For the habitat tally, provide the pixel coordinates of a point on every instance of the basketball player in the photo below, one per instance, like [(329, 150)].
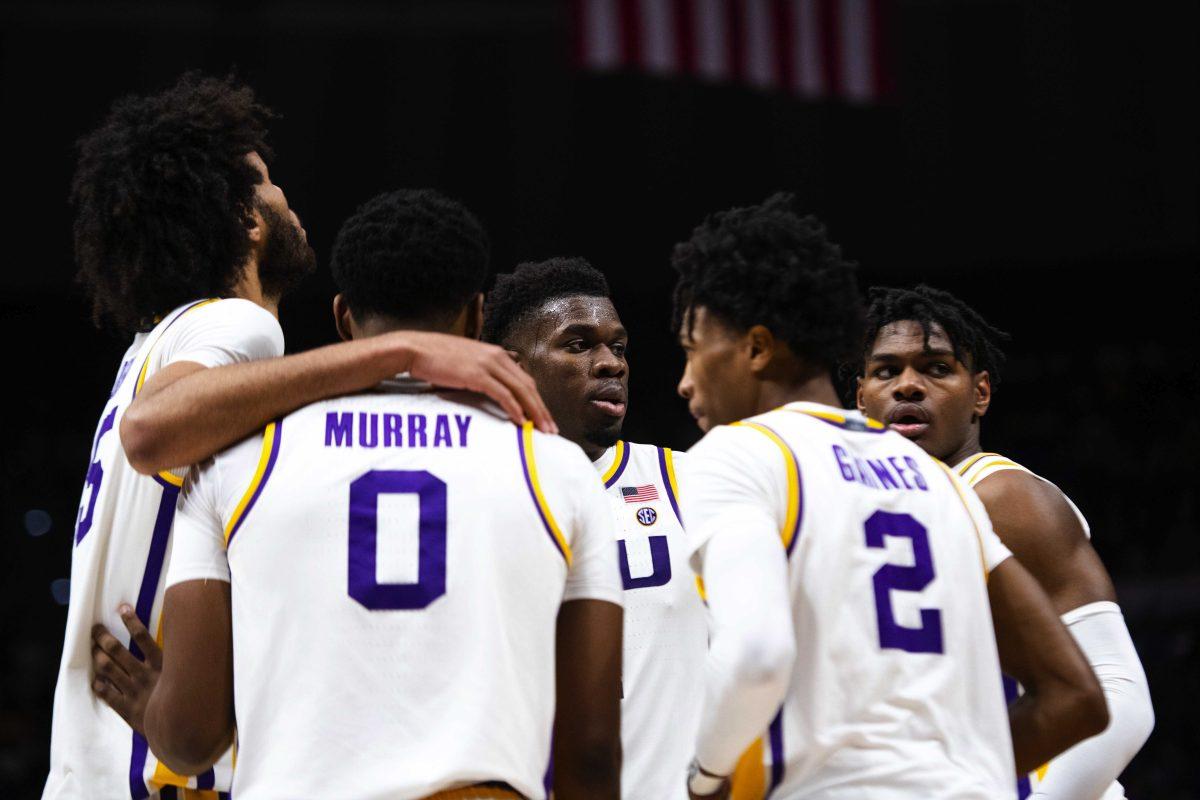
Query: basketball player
[(558, 320), (398, 561), (849, 574), (928, 369), (175, 207)]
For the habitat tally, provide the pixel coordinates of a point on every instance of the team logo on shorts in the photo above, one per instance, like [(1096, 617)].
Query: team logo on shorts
[(647, 516)]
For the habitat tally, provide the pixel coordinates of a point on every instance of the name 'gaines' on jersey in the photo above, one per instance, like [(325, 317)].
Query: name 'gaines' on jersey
[(895, 691)]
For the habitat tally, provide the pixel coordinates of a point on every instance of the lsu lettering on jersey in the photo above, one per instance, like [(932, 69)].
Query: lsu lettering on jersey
[(887, 560), (666, 628), (973, 470), (397, 559), (122, 541)]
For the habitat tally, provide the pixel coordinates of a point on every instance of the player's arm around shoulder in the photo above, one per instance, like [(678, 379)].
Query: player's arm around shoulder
[(225, 379), (211, 334), (587, 726)]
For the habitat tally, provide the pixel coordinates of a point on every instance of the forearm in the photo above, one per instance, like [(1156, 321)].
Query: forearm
[(203, 412), (1087, 769), (750, 661)]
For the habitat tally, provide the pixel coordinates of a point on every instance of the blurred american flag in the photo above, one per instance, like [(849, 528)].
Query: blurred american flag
[(815, 49)]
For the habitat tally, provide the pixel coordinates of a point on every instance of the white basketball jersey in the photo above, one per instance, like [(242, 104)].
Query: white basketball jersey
[(122, 539), (888, 554), (397, 559), (666, 627), (973, 470)]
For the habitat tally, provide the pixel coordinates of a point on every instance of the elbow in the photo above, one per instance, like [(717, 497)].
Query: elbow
[(1089, 710), (185, 744), (765, 662), (188, 750), (139, 440)]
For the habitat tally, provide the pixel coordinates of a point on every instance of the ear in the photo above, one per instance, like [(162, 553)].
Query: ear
[(473, 317), (342, 319), (983, 393), (858, 396), (760, 344)]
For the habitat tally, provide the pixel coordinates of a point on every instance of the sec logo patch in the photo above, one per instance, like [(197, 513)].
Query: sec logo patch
[(647, 516)]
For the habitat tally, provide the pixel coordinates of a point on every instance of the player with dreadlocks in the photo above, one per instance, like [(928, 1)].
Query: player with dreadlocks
[(838, 662), (928, 368), (185, 246), (558, 319)]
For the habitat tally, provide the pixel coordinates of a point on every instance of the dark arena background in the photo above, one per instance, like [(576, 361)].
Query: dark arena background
[(1037, 157)]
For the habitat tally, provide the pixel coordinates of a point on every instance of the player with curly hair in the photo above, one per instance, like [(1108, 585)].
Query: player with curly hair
[(928, 368), (849, 575), (558, 319), (186, 245)]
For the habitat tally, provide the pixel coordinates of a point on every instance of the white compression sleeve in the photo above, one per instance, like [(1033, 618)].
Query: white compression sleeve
[(1087, 770), (750, 660)]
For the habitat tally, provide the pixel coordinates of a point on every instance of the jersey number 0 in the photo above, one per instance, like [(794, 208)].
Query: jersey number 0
[(362, 582)]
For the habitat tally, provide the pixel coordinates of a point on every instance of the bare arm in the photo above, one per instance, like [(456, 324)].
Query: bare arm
[(587, 724), (189, 718), (1036, 523), (186, 412), (1062, 703)]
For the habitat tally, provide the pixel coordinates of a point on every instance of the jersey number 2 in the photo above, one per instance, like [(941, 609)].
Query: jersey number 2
[(362, 582), (927, 638)]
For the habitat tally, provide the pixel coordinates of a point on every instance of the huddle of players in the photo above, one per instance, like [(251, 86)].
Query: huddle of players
[(858, 604)]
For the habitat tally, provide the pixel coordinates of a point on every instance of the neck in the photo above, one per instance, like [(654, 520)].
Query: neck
[(250, 288), (817, 388), (592, 450), (378, 324), (968, 448)]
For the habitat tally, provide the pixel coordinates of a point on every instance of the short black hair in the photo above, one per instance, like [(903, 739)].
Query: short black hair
[(411, 255), (969, 333), (771, 265), (164, 196), (520, 293)]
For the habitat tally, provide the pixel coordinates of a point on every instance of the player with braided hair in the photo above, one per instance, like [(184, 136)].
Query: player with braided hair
[(929, 365)]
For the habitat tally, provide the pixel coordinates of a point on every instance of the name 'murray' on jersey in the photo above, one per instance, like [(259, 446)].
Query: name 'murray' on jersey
[(370, 429)]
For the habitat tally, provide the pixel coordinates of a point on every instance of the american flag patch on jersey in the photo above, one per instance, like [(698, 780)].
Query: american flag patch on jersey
[(639, 494)]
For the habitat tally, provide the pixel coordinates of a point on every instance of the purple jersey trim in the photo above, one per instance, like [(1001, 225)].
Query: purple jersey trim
[(533, 493), (666, 476), (163, 333), (261, 483), (799, 487), (144, 608), (620, 468)]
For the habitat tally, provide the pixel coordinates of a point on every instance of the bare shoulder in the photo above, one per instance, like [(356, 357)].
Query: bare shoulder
[(1037, 523)]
